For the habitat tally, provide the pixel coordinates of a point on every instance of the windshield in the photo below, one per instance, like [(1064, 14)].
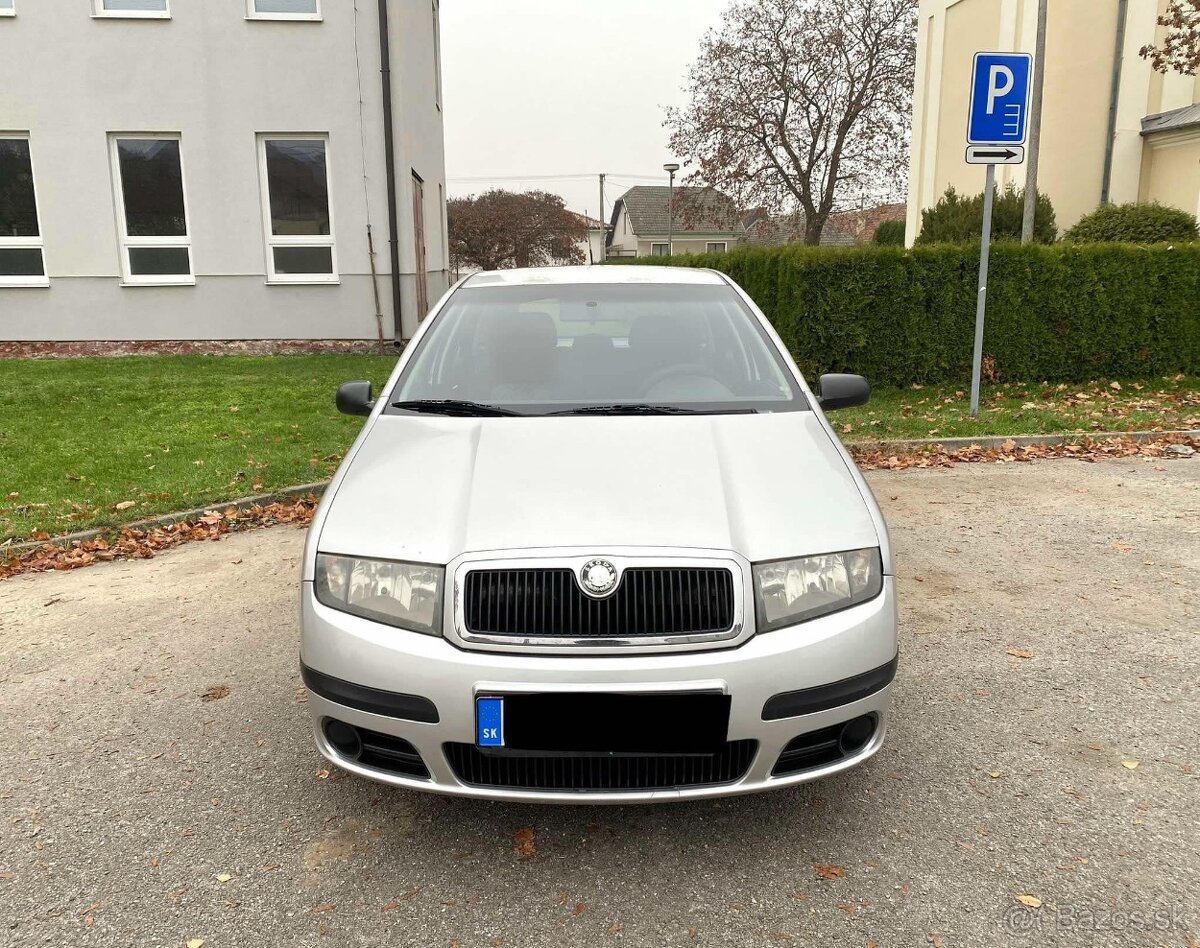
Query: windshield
[(597, 348)]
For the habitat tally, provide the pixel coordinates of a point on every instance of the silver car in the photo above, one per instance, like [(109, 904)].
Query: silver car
[(597, 542)]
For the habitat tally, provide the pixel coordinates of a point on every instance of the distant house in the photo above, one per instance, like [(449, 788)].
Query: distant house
[(765, 230), (705, 221), (862, 224)]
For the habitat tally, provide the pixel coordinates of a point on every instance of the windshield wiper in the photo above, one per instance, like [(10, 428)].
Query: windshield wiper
[(650, 410), (456, 408)]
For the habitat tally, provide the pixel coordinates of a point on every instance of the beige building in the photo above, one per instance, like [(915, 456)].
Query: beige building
[(1112, 128)]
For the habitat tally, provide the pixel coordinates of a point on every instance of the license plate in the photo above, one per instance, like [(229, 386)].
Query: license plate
[(489, 722), (689, 723)]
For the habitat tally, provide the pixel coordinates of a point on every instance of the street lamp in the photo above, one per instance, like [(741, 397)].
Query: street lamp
[(671, 168)]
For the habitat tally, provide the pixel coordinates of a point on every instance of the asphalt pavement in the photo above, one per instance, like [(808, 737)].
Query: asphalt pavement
[(1038, 787)]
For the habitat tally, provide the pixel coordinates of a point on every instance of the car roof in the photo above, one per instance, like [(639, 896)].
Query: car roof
[(592, 275)]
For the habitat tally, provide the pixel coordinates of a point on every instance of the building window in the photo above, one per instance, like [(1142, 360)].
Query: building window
[(159, 9), (22, 262), (716, 246), (297, 213), (659, 250), (7, 8), (283, 9), (151, 209)]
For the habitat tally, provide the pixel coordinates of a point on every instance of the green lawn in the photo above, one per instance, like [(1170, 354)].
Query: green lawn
[(82, 438), (944, 411)]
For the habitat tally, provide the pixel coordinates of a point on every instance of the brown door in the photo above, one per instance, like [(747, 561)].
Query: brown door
[(419, 243)]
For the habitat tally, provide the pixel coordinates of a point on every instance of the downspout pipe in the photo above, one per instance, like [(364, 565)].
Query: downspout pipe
[(1118, 65), (389, 147)]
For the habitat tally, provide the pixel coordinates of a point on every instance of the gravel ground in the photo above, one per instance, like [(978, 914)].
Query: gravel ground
[(1050, 632)]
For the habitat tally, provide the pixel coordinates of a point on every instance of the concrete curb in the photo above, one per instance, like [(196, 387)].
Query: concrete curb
[(886, 447), (1020, 441), (245, 503)]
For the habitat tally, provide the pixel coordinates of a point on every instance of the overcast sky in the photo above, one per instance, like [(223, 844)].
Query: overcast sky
[(564, 87)]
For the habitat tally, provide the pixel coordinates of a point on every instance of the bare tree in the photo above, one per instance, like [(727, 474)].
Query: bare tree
[(500, 230), (1180, 48), (797, 103)]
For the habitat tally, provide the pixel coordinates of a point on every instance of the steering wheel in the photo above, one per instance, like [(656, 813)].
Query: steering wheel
[(672, 371)]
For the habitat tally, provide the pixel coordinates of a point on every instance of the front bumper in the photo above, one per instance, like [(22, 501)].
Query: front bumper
[(832, 649)]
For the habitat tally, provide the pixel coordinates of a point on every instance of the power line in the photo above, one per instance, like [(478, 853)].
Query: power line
[(550, 177)]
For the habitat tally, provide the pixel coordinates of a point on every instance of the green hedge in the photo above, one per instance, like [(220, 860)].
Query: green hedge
[(1136, 224), (1055, 313)]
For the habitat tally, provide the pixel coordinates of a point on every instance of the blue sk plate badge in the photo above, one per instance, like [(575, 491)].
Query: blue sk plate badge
[(489, 722)]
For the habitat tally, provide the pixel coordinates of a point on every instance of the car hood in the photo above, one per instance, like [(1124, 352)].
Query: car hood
[(428, 489)]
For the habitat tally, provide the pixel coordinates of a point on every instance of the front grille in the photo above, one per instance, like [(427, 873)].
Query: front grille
[(599, 772), (649, 602)]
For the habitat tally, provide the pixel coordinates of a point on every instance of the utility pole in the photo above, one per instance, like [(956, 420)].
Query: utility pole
[(1035, 126), (603, 222)]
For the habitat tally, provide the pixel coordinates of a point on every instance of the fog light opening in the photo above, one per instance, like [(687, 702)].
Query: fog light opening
[(855, 734), (344, 738)]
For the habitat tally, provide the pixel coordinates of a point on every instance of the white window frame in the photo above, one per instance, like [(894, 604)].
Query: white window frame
[(125, 241), (27, 243), (666, 249), (723, 244), (254, 14), (9, 11), (99, 11), (270, 239)]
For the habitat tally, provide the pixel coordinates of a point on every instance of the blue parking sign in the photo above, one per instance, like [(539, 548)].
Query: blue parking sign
[(999, 99)]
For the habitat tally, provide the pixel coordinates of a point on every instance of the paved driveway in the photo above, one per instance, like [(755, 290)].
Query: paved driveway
[(1050, 641)]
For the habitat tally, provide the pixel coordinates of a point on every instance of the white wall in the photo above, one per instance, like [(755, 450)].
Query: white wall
[(217, 78)]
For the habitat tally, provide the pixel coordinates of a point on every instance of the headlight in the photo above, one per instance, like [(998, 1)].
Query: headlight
[(408, 595), (791, 591)]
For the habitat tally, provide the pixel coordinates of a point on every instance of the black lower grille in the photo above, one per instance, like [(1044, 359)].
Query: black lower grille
[(649, 602), (600, 772)]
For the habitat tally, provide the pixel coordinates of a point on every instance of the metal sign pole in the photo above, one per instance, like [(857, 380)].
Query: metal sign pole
[(981, 305)]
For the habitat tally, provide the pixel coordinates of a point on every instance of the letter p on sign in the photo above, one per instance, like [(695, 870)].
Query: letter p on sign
[(1000, 84), (999, 99)]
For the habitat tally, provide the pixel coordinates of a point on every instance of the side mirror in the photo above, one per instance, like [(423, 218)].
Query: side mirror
[(843, 391), (355, 398)]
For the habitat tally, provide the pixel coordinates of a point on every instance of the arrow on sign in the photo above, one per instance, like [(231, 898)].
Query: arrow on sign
[(995, 155)]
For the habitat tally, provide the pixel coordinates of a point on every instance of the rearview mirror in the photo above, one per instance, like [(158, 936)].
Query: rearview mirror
[(843, 391), (355, 398)]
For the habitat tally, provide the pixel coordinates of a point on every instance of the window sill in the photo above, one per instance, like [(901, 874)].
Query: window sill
[(33, 283), (306, 281), (286, 17), (138, 284), (132, 15)]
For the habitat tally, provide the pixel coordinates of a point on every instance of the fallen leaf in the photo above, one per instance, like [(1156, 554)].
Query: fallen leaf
[(1031, 901), (125, 505), (1129, 764), (195, 942), (1122, 547), (830, 872), (615, 928), (523, 840), (1019, 652), (223, 877), (935, 940), (996, 774), (320, 909), (215, 693), (579, 909)]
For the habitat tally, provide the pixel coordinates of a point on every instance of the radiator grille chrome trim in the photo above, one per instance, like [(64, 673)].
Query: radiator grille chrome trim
[(609, 631)]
